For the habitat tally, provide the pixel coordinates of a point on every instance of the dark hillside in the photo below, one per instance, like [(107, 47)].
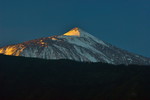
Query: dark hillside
[(36, 79)]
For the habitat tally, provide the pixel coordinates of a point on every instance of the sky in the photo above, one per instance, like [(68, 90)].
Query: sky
[(123, 23)]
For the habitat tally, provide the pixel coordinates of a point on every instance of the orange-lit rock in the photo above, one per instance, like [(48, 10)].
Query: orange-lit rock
[(73, 32), (12, 50), (41, 42), (54, 38)]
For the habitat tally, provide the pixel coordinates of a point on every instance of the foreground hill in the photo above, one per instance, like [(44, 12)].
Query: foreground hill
[(36, 79)]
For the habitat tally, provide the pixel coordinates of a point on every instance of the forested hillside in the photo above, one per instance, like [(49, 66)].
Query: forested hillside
[(37, 79)]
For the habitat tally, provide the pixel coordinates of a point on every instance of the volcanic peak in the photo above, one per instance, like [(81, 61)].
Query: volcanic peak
[(74, 32)]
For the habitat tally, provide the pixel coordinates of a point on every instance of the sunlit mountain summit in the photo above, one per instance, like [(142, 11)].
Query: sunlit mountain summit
[(74, 32), (76, 45)]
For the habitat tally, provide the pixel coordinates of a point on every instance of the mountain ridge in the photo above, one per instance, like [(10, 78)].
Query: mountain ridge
[(76, 45)]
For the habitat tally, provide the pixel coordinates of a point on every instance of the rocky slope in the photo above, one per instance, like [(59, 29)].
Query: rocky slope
[(75, 45)]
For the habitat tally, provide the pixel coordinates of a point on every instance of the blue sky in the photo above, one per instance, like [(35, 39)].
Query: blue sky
[(123, 23)]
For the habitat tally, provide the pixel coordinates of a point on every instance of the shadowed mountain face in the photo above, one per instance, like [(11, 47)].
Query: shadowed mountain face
[(75, 45), (36, 79)]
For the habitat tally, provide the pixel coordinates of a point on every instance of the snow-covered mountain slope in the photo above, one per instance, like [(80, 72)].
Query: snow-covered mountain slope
[(75, 45)]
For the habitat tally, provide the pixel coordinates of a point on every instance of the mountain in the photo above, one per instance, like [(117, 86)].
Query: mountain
[(75, 45)]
